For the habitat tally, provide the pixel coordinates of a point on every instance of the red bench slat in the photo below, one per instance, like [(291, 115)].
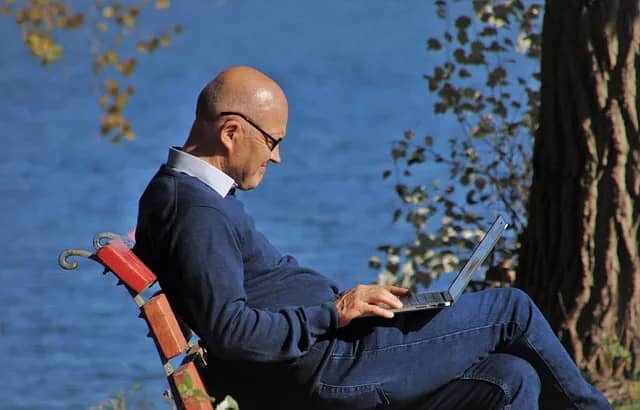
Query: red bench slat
[(164, 326), (121, 260), (189, 387)]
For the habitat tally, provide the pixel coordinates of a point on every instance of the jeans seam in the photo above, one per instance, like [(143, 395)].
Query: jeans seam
[(370, 386), (345, 356), (354, 388)]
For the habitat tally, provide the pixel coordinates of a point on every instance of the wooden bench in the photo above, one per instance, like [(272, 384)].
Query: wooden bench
[(186, 385)]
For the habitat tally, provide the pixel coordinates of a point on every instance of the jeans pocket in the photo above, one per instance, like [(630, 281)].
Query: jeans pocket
[(364, 396)]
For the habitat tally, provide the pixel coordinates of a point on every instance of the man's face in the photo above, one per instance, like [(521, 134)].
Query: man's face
[(253, 151)]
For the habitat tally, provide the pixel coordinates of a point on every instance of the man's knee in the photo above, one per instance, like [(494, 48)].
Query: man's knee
[(518, 380), (517, 302), (514, 295)]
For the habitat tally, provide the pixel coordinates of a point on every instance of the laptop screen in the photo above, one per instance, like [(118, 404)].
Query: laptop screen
[(478, 256)]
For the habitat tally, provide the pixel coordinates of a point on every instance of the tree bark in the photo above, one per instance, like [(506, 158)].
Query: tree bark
[(580, 251)]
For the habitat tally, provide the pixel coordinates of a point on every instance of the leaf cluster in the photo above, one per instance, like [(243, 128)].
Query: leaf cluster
[(116, 43), (479, 84), (116, 58), (39, 20), (193, 396)]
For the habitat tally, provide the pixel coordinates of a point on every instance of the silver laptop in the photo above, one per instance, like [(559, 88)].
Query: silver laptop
[(436, 300)]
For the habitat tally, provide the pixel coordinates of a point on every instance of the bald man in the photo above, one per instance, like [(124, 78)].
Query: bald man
[(282, 336)]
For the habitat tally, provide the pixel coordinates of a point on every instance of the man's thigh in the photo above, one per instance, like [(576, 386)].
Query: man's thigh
[(417, 353)]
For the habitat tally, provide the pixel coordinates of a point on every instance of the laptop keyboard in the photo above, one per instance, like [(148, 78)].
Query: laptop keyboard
[(424, 298)]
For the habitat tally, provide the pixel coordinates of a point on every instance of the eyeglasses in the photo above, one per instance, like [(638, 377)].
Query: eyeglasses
[(272, 143)]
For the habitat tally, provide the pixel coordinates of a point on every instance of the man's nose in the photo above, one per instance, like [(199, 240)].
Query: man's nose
[(275, 155)]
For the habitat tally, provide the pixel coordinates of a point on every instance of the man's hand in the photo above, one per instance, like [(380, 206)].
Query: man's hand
[(368, 300)]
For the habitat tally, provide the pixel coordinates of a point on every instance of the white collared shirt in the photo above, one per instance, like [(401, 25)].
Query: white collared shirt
[(205, 172)]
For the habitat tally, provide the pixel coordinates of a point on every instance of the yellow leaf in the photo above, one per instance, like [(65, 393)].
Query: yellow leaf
[(35, 14), (126, 67), (104, 100), (162, 4), (99, 64), (111, 86), (78, 20), (165, 40), (121, 101), (108, 12), (111, 57), (127, 20), (21, 17), (142, 47), (54, 53), (152, 44), (126, 130), (111, 120), (103, 26)]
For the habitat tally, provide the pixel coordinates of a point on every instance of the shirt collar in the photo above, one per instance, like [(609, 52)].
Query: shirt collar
[(205, 172)]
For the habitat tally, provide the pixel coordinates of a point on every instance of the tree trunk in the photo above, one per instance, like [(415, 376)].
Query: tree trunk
[(580, 254)]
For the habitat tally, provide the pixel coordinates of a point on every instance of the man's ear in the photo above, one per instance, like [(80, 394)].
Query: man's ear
[(230, 134)]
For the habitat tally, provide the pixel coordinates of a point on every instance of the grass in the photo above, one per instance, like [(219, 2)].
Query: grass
[(632, 406)]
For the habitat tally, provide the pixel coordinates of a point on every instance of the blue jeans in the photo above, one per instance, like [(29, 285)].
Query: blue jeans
[(491, 349)]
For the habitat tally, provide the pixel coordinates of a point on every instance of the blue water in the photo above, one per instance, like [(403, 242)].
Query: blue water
[(353, 74)]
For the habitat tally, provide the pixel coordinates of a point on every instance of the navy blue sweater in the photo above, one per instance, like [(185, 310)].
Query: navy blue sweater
[(244, 299)]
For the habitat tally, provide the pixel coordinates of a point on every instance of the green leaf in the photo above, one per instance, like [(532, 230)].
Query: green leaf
[(463, 22), (480, 183), (416, 157), (488, 31), (188, 381), (433, 44), (428, 140), (408, 135), (463, 38), (460, 56), (397, 153), (200, 393)]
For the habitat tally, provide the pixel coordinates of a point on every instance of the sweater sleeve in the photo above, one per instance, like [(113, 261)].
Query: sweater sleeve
[(208, 253)]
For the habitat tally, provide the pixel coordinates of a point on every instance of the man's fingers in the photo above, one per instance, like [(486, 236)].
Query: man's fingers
[(365, 300), (379, 311), (387, 295), (386, 298), (397, 290)]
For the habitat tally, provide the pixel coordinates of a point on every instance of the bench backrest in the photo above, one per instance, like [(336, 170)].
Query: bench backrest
[(185, 382)]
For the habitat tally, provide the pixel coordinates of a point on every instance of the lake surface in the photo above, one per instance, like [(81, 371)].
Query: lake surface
[(353, 74)]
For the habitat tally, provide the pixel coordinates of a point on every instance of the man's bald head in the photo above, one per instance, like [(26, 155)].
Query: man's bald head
[(241, 115), (240, 89)]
